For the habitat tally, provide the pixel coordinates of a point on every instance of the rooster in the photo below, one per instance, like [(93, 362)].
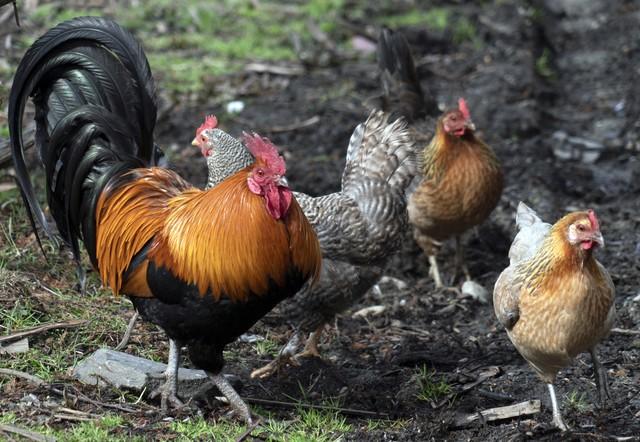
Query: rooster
[(188, 259), (359, 228), (555, 299), (462, 178)]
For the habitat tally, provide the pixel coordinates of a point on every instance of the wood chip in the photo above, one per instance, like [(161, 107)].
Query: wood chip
[(497, 414)]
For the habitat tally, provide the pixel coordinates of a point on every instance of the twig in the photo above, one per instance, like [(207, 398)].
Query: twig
[(247, 433), (624, 331), (274, 69), (40, 329), (499, 413), (127, 334), (349, 411), (495, 396), (294, 126), (31, 435), (488, 373), (21, 374)]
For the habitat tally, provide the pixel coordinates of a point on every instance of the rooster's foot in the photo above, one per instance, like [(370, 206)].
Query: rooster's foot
[(168, 391), (311, 347)]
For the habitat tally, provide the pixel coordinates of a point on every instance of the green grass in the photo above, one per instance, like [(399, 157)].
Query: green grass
[(543, 65), (430, 388), (576, 401)]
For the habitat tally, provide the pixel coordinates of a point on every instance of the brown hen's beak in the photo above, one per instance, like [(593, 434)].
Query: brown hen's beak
[(194, 143), (469, 124), (597, 237)]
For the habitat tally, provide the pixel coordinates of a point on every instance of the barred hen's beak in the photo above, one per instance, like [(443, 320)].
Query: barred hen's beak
[(194, 143)]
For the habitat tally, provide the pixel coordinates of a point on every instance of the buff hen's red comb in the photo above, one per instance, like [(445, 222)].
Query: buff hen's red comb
[(210, 122), (593, 219), (462, 107), (263, 149)]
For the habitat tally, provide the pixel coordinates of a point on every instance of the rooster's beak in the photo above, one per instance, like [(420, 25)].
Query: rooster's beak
[(282, 182), (469, 124), (597, 237), (194, 143)]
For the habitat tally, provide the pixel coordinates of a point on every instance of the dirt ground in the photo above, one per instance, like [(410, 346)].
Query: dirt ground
[(553, 88)]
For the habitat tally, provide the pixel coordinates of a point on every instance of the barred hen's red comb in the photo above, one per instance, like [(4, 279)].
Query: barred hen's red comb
[(462, 107), (263, 149), (210, 122), (593, 219)]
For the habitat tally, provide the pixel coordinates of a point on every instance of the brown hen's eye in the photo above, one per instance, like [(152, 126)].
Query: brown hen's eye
[(581, 227)]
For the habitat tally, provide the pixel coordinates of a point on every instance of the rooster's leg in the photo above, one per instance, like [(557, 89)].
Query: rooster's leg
[(557, 417), (127, 334), (460, 262), (168, 391), (435, 272), (311, 346), (232, 395), (601, 378), (284, 357)]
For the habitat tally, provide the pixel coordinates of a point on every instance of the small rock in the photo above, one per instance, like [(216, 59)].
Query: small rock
[(249, 338), (476, 291), (235, 107), (30, 400), (123, 370), (566, 147)]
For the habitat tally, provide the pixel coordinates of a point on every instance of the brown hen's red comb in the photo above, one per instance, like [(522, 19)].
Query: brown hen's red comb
[(593, 219), (263, 149), (210, 122), (462, 107)]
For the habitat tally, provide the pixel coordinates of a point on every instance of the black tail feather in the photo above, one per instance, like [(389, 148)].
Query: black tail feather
[(95, 114), (403, 95)]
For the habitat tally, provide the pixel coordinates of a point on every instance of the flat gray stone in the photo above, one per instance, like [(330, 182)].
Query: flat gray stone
[(122, 370)]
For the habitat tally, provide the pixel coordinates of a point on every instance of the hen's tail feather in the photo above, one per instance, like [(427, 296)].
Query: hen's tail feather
[(382, 151), (403, 95), (95, 114)]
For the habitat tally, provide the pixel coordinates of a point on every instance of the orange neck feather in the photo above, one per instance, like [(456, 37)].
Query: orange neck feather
[(223, 240)]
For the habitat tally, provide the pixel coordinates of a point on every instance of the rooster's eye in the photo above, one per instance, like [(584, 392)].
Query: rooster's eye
[(203, 138)]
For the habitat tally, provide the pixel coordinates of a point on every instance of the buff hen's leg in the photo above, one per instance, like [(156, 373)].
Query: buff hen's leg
[(238, 404), (169, 390), (460, 261), (601, 378), (557, 417)]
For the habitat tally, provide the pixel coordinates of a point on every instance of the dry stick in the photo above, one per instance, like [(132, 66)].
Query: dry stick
[(40, 329), (127, 334), (247, 433), (31, 435), (295, 126), (350, 411), (624, 331)]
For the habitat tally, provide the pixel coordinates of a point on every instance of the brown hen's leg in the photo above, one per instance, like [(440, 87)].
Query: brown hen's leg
[(435, 272), (557, 417), (284, 357), (601, 379), (460, 262), (232, 395), (127, 334), (311, 346), (169, 390)]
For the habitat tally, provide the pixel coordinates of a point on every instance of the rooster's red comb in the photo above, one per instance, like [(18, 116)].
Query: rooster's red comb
[(462, 107), (593, 219), (263, 149), (210, 122)]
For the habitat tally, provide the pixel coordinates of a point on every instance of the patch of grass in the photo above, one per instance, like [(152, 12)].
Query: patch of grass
[(430, 388), (436, 19), (576, 401), (266, 347), (543, 65), (465, 31), (198, 428)]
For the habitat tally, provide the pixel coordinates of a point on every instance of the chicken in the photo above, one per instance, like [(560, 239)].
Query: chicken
[(359, 228), (555, 299), (186, 258), (461, 176)]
